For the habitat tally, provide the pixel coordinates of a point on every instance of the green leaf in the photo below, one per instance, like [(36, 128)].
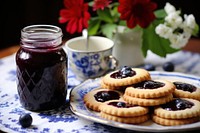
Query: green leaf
[(115, 15), (108, 29), (105, 15), (94, 25), (122, 23), (196, 30), (160, 13), (114, 11), (151, 41)]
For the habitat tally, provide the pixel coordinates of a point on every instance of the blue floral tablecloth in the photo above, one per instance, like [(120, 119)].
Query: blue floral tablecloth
[(62, 120)]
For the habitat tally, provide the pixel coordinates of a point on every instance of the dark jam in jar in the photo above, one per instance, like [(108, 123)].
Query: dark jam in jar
[(41, 68)]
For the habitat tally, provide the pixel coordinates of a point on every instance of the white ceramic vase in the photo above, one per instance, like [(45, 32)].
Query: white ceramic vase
[(127, 48)]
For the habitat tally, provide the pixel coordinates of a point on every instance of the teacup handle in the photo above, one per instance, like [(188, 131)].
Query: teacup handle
[(113, 60)]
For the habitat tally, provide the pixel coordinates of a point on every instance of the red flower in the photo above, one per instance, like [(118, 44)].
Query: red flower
[(75, 14), (137, 12), (100, 4)]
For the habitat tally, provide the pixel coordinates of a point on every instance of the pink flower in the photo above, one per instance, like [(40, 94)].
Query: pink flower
[(137, 12), (75, 14), (101, 4)]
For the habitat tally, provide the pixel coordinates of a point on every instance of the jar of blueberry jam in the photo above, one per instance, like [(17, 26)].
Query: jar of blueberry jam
[(41, 68)]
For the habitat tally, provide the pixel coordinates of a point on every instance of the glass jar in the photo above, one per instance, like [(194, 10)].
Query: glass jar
[(41, 68)]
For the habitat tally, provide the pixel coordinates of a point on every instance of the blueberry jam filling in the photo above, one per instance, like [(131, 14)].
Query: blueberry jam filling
[(103, 96), (185, 86), (149, 84), (177, 104), (123, 73), (120, 104)]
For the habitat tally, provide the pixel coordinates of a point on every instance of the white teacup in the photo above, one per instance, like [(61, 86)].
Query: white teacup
[(93, 60)]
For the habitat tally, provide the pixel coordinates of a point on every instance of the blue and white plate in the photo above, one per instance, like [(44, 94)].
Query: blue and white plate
[(78, 107)]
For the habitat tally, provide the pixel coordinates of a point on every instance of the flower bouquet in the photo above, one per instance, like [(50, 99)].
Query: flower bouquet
[(164, 31)]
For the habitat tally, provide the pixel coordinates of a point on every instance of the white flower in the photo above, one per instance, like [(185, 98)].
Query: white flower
[(175, 29), (178, 41), (187, 30), (163, 31), (169, 8), (174, 20), (189, 21)]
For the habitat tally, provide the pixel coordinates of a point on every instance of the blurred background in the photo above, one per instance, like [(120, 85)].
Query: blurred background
[(15, 16)]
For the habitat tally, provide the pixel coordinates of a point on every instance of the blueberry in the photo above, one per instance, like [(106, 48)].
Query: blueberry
[(168, 66), (126, 71), (121, 104), (149, 67), (183, 104), (25, 120), (105, 95)]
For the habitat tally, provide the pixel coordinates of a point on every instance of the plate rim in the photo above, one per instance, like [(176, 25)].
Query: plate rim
[(136, 127)]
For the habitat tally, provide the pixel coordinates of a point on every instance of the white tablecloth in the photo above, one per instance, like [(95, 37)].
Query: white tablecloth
[(62, 120)]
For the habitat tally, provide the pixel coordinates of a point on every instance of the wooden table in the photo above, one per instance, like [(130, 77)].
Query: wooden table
[(8, 51), (193, 46)]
